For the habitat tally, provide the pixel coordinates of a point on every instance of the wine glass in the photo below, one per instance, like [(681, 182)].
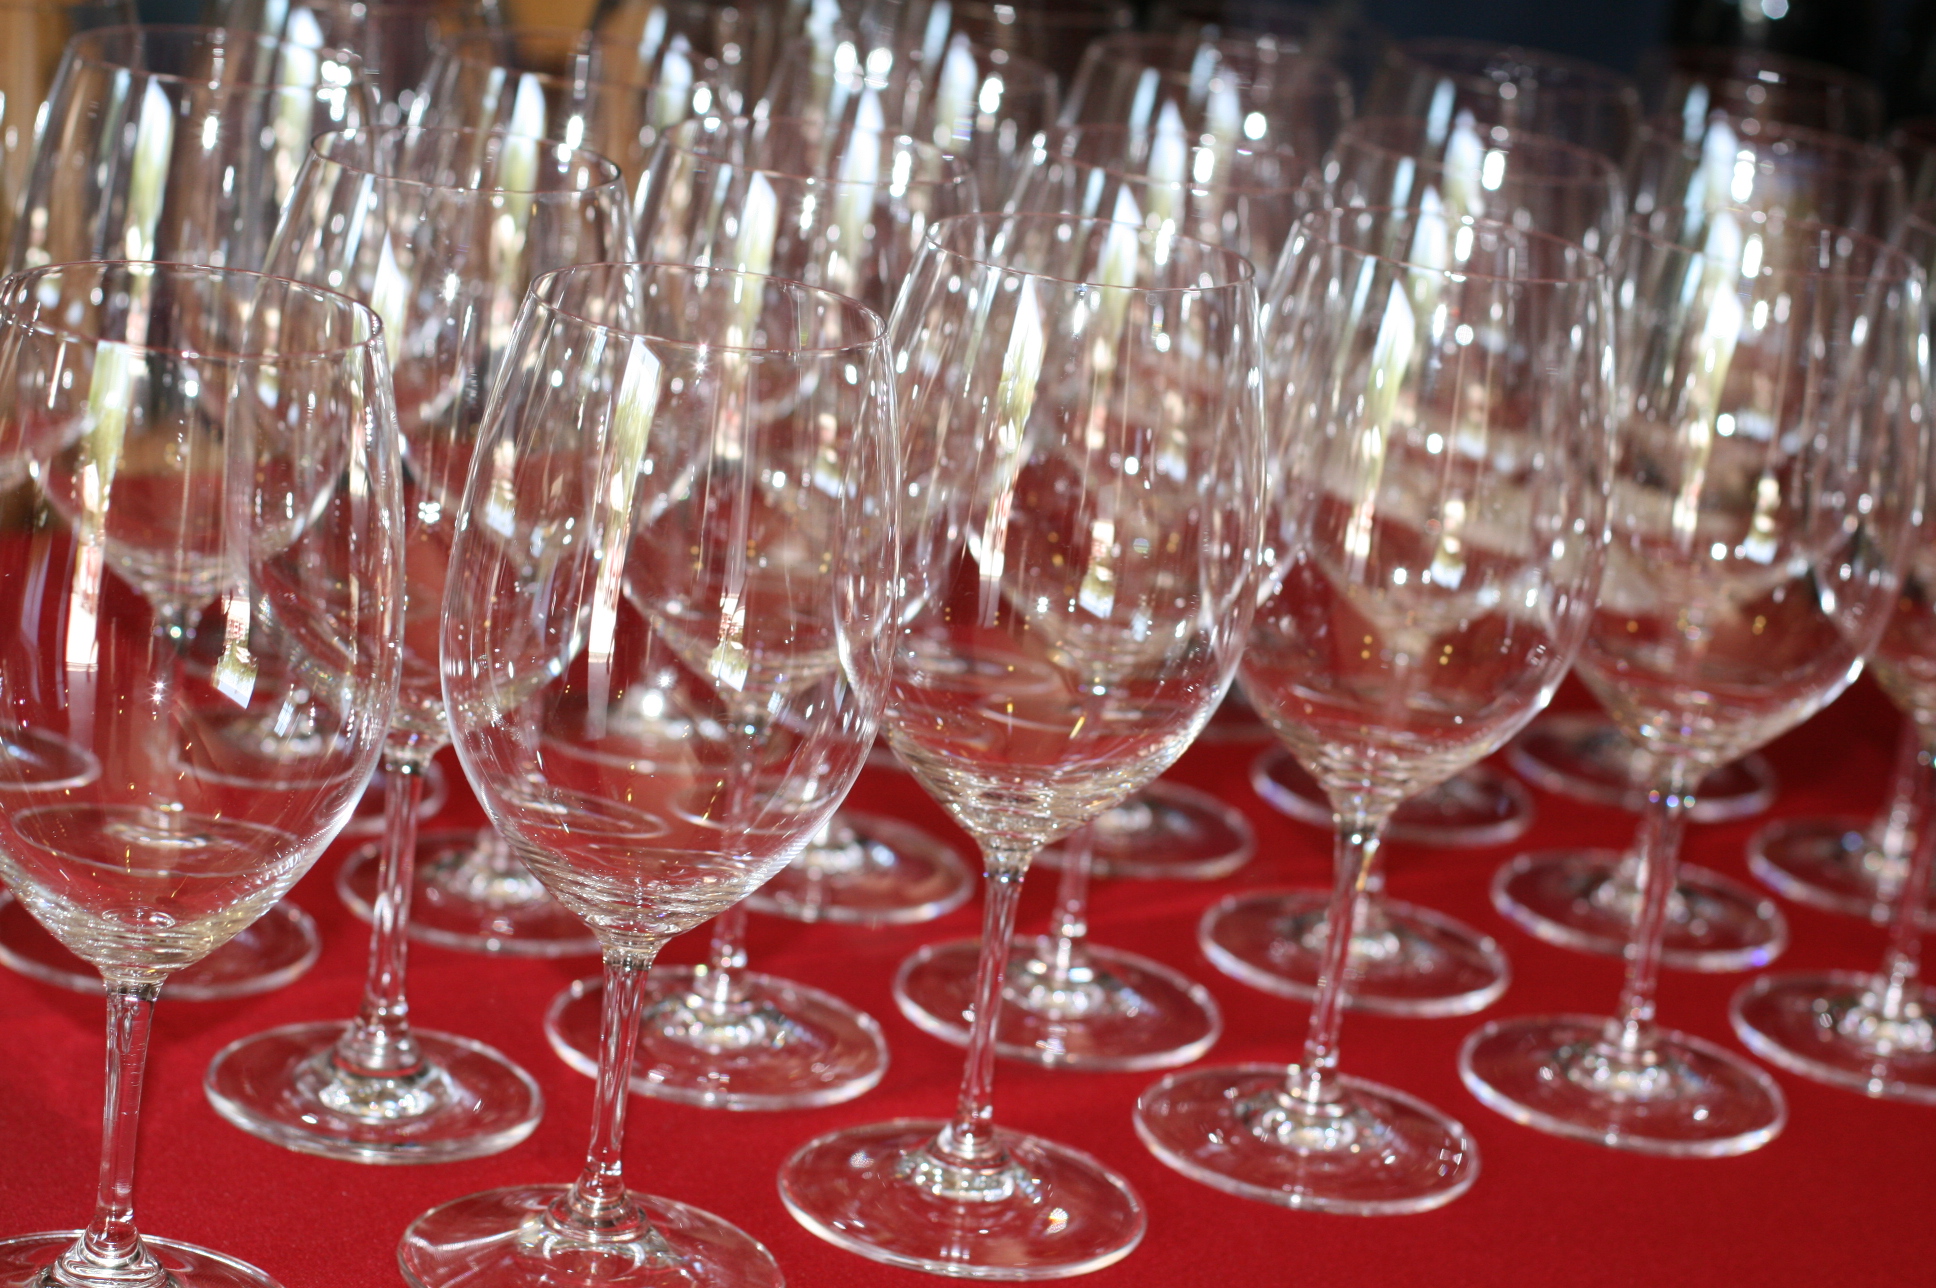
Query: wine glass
[(1914, 143), (744, 37), (1691, 82), (35, 32), (1338, 36), (1082, 465), (1873, 1033), (1527, 89), (1438, 503), (441, 230), (1407, 959), (1765, 480), (216, 471), (1589, 899), (666, 647)]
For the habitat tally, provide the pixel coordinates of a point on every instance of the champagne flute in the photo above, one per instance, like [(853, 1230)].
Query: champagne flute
[(1765, 482), (1439, 385), (216, 468), (666, 645), (1084, 544), (441, 230), (1526, 89)]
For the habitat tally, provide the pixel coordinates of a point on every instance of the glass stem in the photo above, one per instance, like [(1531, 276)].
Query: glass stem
[(1659, 842), (110, 1251), (1902, 964), (378, 1043), (1893, 830), (1072, 906), (969, 1140), (596, 1207), (725, 955), (1357, 854)]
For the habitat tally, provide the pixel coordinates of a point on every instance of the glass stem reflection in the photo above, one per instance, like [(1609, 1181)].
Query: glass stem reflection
[(596, 1208), (1659, 843), (725, 955), (969, 1140), (378, 1043), (1896, 984), (1899, 815), (109, 1251), (1072, 907), (1357, 855)]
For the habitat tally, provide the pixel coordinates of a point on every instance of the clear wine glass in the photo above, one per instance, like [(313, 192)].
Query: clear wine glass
[(441, 231), (1053, 35), (1085, 546), (1407, 959), (745, 37), (216, 475), (667, 639), (1692, 82), (1589, 899), (35, 32), (1341, 37), (1526, 89), (1876, 1033), (1438, 509), (1764, 486)]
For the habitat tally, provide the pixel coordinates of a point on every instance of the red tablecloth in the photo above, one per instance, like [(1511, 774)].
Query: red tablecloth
[(1843, 1197)]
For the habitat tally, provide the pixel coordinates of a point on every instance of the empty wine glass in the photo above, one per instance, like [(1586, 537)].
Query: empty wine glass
[(1526, 89), (666, 646), (1876, 1033), (216, 467), (1084, 540), (1338, 36), (1438, 508), (1764, 485), (1692, 82), (441, 230), (744, 37)]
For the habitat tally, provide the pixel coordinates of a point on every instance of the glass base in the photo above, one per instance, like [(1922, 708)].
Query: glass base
[(24, 1262), (367, 820), (1167, 832), (467, 1102), (1042, 1211), (1476, 807), (1681, 1098), (268, 953), (874, 871), (1829, 1027), (1114, 1010), (1371, 1151), (1582, 755), (501, 1239), (776, 1045), (467, 898), (1587, 900), (1831, 864), (1405, 960)]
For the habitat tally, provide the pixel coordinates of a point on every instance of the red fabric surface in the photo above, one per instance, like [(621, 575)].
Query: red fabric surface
[(1843, 1197)]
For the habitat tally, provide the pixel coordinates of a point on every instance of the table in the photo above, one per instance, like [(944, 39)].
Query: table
[(1843, 1197)]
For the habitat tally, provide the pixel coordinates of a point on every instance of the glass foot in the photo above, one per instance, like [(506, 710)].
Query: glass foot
[(1168, 832), (775, 1045), (268, 953), (1583, 756), (24, 1262), (1476, 807), (1832, 864), (1038, 1211), (1371, 1151), (1114, 1010), (1681, 1097), (1405, 960), (471, 894), (868, 871), (467, 1102), (1587, 900), (502, 1239), (1830, 1027), (367, 820)]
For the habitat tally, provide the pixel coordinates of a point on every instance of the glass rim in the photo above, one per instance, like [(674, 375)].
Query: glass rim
[(375, 135), (1796, 72), (1244, 276), (1041, 79), (1586, 77), (1598, 165), (579, 41), (1854, 154), (1882, 248), (1310, 72), (1312, 223), (80, 46), (541, 284), (673, 140), (13, 284), (1119, 170)]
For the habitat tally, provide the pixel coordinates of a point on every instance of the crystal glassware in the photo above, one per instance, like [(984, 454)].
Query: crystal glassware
[(1764, 487), (441, 231), (1093, 523), (217, 476), (1439, 395), (1526, 89), (667, 639)]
